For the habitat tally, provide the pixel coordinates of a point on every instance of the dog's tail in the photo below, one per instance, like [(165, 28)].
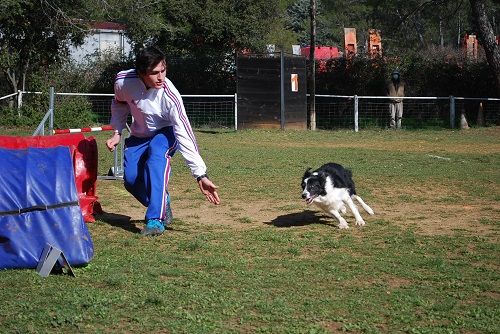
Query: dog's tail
[(363, 204)]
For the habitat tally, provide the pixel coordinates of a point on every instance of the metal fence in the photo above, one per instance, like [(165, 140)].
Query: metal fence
[(203, 111), (363, 112), (332, 111)]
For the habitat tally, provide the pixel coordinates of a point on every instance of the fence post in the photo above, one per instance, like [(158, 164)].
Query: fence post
[(356, 114), (452, 111), (282, 90), (19, 102), (51, 109), (235, 111)]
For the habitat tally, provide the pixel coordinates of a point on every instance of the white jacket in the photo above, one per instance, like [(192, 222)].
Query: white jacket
[(153, 109)]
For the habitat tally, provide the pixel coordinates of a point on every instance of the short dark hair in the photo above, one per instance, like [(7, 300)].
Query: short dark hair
[(147, 58)]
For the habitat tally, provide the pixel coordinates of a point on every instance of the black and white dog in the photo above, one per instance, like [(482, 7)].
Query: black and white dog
[(331, 187)]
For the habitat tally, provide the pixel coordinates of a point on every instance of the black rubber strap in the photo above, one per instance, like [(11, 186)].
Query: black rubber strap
[(38, 208)]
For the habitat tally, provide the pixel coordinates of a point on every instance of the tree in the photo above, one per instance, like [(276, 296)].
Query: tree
[(486, 37), (36, 33), (418, 24), (329, 28), (201, 37)]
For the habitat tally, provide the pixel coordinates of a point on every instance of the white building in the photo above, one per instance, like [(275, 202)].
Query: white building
[(105, 37)]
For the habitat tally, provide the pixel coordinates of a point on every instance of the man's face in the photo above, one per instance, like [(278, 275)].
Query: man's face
[(156, 77)]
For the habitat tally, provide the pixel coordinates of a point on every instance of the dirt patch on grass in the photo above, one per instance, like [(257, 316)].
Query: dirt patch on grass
[(425, 216)]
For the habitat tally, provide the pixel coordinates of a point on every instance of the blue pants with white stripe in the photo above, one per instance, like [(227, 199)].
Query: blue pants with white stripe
[(146, 167)]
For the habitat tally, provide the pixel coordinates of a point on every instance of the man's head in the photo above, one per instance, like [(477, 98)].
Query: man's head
[(395, 76), (151, 65)]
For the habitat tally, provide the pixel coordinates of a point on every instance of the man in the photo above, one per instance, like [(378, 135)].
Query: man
[(395, 88), (159, 128)]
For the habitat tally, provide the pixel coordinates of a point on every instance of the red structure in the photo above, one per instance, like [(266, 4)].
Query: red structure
[(470, 46), (374, 43), (84, 153), (322, 54), (350, 43)]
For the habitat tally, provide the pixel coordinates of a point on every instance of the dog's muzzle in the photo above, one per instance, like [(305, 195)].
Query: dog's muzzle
[(308, 198)]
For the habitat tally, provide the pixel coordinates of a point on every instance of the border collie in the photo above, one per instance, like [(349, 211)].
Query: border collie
[(331, 187)]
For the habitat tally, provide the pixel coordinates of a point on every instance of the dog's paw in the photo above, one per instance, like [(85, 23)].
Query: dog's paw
[(343, 210), (360, 222), (343, 226)]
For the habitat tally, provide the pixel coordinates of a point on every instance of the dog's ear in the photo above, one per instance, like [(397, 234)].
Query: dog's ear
[(322, 177), (307, 173)]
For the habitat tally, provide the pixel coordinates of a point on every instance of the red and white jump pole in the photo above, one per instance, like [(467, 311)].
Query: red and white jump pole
[(116, 171), (94, 129)]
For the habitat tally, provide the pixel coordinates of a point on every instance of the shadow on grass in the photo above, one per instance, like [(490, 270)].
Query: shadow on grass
[(121, 221), (303, 218)]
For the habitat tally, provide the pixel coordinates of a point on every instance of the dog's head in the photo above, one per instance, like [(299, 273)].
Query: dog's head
[(313, 185)]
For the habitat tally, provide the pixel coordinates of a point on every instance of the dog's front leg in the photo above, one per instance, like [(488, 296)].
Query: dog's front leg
[(342, 221), (354, 209)]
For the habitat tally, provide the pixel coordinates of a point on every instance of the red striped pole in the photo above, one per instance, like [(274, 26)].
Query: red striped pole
[(95, 129)]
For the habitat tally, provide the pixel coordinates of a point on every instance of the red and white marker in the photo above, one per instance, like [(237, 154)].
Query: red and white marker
[(95, 129)]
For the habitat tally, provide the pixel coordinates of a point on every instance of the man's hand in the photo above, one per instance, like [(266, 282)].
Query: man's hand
[(113, 141), (209, 190)]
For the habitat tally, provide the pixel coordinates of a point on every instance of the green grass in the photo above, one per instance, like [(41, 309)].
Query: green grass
[(387, 277)]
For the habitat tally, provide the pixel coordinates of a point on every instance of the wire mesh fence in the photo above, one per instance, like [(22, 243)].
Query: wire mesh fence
[(203, 111), (211, 111), (363, 112), (220, 111)]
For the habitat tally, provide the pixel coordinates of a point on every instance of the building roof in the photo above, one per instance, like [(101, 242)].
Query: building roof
[(322, 52), (108, 26)]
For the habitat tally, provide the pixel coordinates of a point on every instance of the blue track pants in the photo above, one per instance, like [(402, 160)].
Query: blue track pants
[(147, 170)]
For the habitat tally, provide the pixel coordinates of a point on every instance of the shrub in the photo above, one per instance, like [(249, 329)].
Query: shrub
[(74, 112), (433, 72)]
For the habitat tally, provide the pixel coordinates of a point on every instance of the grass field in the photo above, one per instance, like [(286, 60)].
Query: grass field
[(264, 262)]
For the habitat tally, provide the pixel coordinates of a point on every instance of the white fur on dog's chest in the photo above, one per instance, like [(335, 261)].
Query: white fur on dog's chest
[(334, 197)]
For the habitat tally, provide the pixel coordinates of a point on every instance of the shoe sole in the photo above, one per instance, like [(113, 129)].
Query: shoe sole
[(152, 232)]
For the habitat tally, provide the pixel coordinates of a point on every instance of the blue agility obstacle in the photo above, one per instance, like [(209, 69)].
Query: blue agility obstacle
[(39, 206)]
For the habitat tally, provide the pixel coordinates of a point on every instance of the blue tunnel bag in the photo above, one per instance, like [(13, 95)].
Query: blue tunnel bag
[(39, 206)]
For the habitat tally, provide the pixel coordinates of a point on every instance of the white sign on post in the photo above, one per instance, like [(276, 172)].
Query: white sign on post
[(295, 82)]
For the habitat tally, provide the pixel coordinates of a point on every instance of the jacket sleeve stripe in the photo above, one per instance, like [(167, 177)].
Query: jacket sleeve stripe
[(123, 75), (182, 115)]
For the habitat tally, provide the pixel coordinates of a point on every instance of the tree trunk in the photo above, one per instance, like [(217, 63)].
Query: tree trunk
[(312, 61), (11, 77), (487, 38), (441, 37)]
